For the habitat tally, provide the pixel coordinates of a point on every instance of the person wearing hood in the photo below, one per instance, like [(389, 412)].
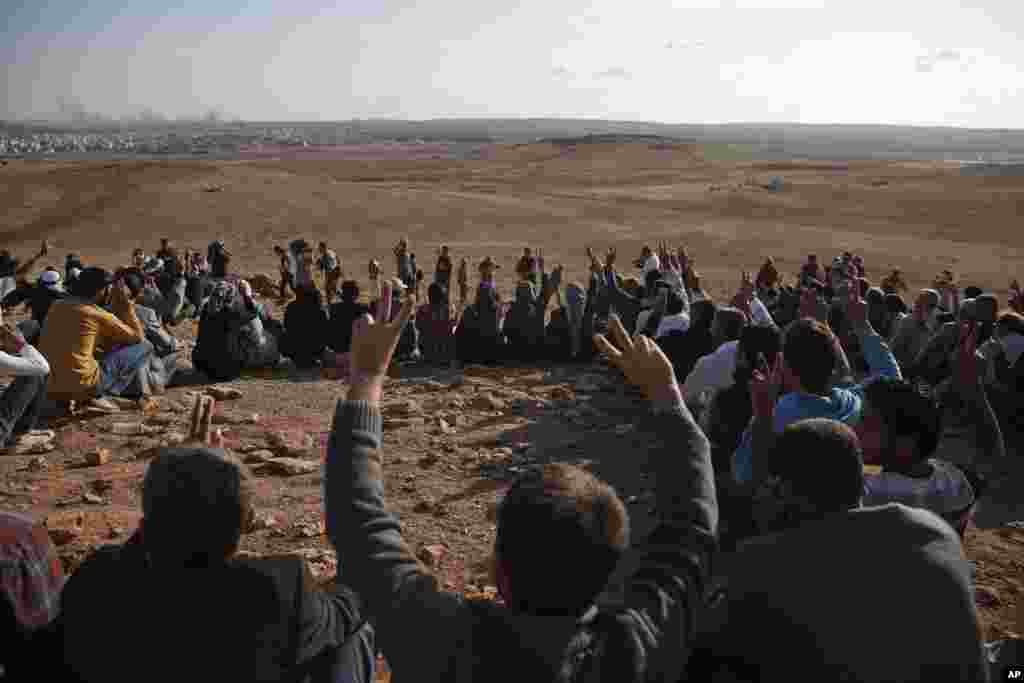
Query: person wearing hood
[(801, 384), (39, 298), (305, 328), (435, 326), (231, 335), (164, 361)]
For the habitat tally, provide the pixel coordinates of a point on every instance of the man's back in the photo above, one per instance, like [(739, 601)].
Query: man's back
[(250, 620), (877, 594), (69, 340)]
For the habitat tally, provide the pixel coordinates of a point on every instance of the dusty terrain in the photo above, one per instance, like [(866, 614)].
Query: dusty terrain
[(443, 478)]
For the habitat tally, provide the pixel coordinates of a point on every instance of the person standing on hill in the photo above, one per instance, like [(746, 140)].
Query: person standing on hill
[(443, 270), (330, 267)]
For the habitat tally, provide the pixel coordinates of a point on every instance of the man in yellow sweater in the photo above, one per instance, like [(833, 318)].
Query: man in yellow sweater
[(92, 352)]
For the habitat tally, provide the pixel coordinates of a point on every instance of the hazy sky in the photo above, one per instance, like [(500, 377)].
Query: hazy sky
[(929, 62)]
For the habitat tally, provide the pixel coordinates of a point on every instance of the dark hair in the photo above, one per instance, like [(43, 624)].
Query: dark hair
[(133, 280), (1011, 321), (972, 292), (196, 503), (808, 349), (894, 303), (820, 461), (436, 293), (561, 532), (674, 303), (349, 290), (323, 245), (733, 320), (905, 412), (702, 314), (651, 281)]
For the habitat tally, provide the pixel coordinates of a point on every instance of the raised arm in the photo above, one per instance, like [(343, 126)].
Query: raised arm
[(411, 614), (665, 591)]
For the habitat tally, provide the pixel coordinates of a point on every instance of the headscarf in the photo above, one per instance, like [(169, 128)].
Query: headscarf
[(223, 297)]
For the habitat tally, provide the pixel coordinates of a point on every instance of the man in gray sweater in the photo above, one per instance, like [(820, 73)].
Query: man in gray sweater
[(561, 533)]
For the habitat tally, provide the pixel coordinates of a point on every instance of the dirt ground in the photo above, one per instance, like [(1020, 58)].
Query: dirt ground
[(443, 478)]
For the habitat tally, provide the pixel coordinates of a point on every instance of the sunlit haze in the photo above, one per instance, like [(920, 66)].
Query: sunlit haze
[(934, 62)]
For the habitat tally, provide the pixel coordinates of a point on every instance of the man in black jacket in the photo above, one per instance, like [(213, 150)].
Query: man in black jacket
[(181, 607), (560, 534), (39, 298)]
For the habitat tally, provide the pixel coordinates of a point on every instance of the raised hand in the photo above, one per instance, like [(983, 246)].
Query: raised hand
[(200, 433), (609, 261), (374, 343), (639, 358), (765, 386)]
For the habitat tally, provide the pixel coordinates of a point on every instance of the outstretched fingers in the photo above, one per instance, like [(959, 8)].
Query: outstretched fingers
[(619, 335)]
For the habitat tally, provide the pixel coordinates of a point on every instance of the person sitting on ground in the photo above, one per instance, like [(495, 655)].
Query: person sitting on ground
[(240, 618), (914, 331), (12, 271), (443, 269), (436, 327), (149, 266), (811, 271), (900, 431), (675, 318), (77, 327), (31, 579), (524, 325), (802, 383), (219, 259), (231, 335), (810, 506), (684, 350), (1003, 354), (330, 269), (305, 328), (575, 308), (893, 283), (343, 315), (409, 345), (715, 370), (525, 264), (38, 298), (558, 337), (166, 252), (481, 327), (550, 626), (71, 262), (22, 400), (767, 277), (1015, 300), (164, 361), (648, 261)]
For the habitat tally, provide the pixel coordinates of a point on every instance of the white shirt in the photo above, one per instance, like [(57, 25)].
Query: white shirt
[(30, 363), (671, 323), (712, 372), (759, 313), (651, 263)]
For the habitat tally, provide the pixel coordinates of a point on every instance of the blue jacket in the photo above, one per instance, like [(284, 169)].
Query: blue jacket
[(843, 404)]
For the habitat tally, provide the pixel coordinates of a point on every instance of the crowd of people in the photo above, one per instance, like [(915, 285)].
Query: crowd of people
[(830, 435)]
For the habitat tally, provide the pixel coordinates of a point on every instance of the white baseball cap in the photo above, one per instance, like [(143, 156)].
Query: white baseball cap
[(50, 279)]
